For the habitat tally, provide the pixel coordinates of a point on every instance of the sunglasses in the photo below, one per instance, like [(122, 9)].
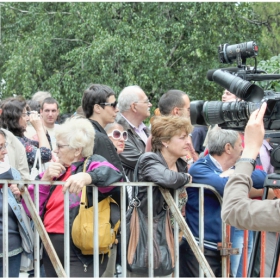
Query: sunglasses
[(114, 104), (116, 134)]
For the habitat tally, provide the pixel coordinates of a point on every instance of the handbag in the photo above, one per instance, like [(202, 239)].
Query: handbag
[(137, 239), (34, 170), (83, 227), (27, 240)]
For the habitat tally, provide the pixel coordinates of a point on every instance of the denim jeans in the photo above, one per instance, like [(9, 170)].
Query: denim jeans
[(14, 266), (236, 261)]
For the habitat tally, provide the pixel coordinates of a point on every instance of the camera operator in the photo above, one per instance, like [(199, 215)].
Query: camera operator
[(238, 210)]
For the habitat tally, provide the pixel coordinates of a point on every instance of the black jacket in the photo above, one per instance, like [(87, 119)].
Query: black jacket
[(103, 146), (153, 168), (134, 148)]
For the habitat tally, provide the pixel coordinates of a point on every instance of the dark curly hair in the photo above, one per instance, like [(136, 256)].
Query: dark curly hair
[(12, 109)]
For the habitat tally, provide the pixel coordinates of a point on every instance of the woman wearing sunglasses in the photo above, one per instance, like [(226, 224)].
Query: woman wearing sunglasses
[(117, 135)]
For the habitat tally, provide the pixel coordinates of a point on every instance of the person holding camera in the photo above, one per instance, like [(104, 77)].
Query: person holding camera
[(14, 118), (238, 209)]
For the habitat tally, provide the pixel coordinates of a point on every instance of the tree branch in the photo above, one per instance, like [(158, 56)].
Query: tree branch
[(27, 12), (71, 40)]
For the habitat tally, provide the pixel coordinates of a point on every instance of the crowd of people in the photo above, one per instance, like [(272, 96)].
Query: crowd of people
[(107, 141)]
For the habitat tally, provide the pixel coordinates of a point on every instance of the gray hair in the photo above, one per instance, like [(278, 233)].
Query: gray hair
[(77, 133), (40, 96), (128, 96), (111, 126), (218, 138)]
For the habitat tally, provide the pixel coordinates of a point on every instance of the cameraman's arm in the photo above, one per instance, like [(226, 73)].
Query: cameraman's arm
[(238, 210)]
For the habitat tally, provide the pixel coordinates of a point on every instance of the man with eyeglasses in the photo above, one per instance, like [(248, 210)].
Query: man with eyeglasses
[(134, 107)]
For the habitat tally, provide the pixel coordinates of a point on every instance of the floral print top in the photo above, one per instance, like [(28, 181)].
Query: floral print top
[(31, 147)]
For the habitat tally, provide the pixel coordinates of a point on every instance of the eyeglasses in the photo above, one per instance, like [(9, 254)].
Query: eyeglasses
[(4, 146), (116, 134), (147, 101), (114, 104), (61, 146)]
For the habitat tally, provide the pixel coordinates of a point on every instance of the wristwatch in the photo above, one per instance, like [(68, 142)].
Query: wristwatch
[(252, 161)]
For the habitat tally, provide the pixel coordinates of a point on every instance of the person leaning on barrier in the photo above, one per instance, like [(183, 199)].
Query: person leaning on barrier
[(164, 166), (15, 221), (238, 210), (75, 140), (225, 148)]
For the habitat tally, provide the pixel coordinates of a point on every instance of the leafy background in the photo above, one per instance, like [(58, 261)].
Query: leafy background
[(63, 47)]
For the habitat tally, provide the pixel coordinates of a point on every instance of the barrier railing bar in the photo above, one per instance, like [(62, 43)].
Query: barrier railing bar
[(187, 233), (150, 230), (95, 236), (201, 226), (5, 232), (36, 235), (123, 230), (176, 238), (66, 235), (43, 234)]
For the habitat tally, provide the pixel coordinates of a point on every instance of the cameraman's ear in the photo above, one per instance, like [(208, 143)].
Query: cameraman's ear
[(1, 111)]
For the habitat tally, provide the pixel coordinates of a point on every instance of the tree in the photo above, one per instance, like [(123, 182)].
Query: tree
[(63, 47)]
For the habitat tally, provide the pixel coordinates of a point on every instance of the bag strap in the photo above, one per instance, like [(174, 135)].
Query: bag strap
[(84, 191), (135, 178), (38, 158)]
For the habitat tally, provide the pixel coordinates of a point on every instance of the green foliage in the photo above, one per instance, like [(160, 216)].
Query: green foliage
[(267, 16), (62, 47), (271, 66)]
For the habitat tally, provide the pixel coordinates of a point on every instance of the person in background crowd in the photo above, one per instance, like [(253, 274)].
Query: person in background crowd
[(30, 132), (49, 113), (198, 136), (176, 102), (100, 107), (14, 117), (225, 148), (14, 215), (119, 137), (164, 165), (134, 106), (75, 141), (40, 96)]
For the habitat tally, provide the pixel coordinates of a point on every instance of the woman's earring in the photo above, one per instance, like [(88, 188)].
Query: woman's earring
[(166, 146)]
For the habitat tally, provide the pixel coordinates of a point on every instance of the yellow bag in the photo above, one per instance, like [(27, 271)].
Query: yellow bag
[(82, 229)]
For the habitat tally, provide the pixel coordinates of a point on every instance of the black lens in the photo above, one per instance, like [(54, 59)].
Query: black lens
[(217, 112), (241, 88), (114, 105)]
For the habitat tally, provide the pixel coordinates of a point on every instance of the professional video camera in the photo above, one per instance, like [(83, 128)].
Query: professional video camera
[(234, 115)]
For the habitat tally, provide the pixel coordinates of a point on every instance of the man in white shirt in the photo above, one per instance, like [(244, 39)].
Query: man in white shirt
[(49, 113)]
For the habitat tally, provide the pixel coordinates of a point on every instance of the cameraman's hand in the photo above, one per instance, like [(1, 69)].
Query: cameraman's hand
[(254, 133)]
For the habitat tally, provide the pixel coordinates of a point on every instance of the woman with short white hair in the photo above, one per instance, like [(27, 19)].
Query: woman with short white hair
[(75, 141)]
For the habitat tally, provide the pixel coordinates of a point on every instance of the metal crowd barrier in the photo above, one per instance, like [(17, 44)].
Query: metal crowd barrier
[(64, 271)]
